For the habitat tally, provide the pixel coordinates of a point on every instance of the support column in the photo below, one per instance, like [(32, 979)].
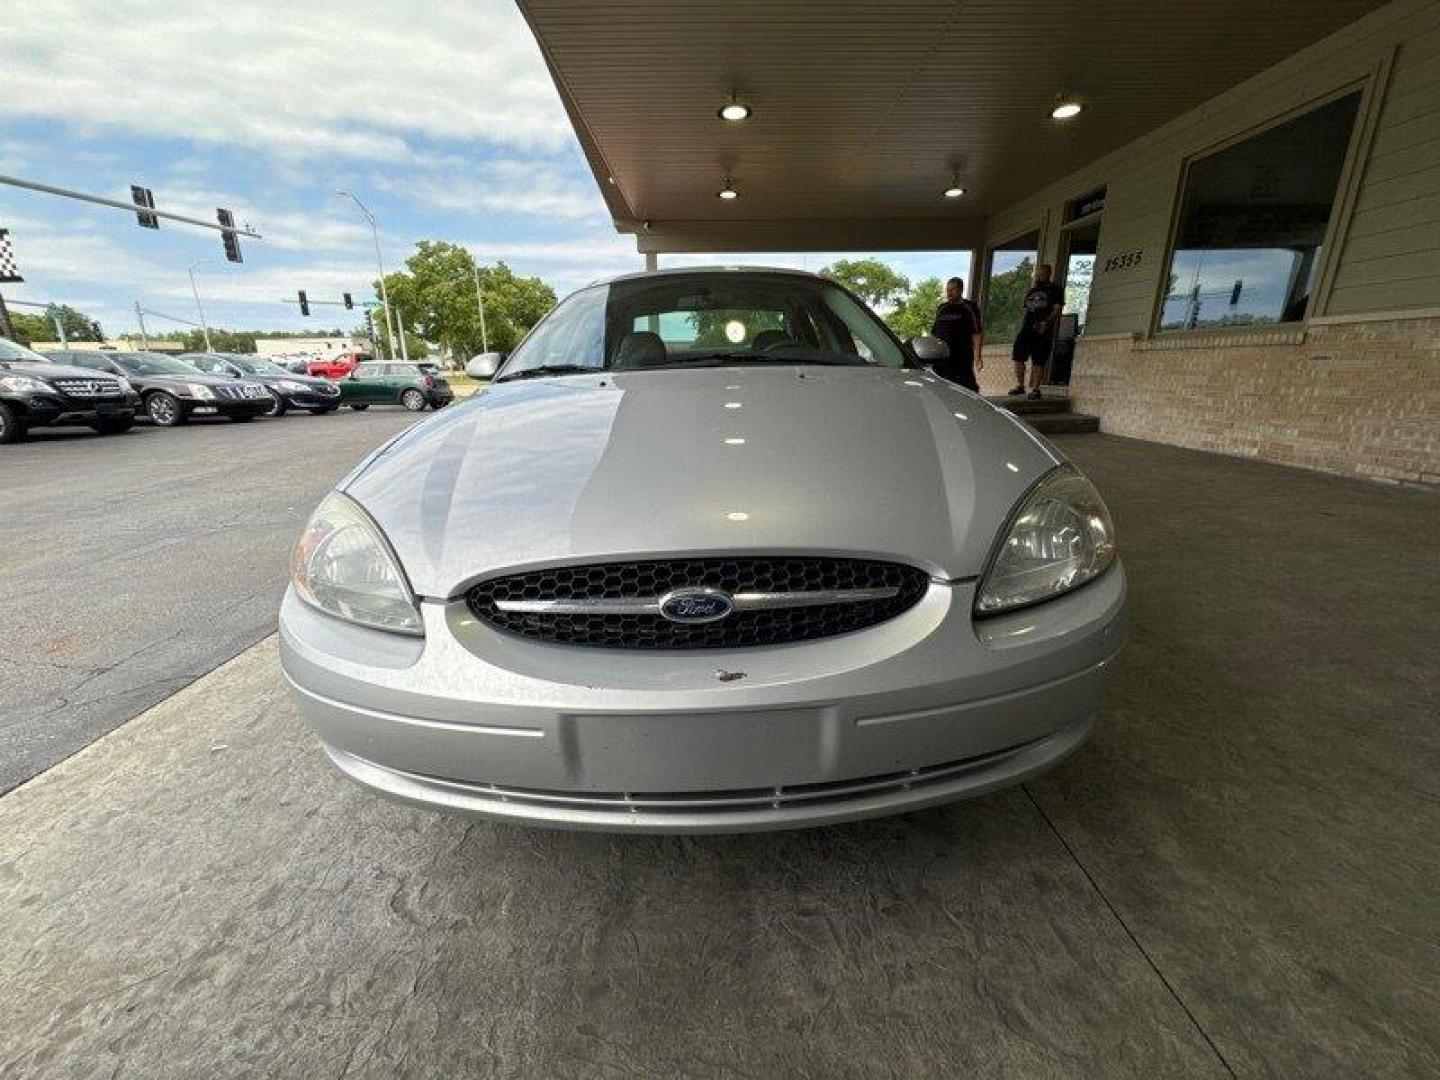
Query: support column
[(652, 261)]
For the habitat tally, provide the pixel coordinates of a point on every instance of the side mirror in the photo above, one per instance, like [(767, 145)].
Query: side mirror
[(484, 365), (928, 349)]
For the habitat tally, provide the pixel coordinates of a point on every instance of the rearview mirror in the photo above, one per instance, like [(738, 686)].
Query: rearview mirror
[(928, 348)]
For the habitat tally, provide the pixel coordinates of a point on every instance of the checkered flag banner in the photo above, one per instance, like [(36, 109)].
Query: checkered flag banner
[(9, 271)]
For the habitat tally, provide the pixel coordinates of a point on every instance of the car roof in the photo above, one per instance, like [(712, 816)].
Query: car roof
[(675, 271)]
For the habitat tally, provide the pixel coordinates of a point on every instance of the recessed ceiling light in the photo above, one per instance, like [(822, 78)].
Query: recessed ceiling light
[(734, 111), (728, 191), (1066, 109), (954, 191)]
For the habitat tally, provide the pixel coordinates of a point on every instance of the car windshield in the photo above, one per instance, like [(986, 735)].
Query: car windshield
[(251, 366), (17, 354), (706, 319), (142, 363)]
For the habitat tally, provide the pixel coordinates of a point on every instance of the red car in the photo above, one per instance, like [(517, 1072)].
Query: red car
[(338, 366)]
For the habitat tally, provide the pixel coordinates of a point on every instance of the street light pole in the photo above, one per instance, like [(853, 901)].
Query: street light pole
[(204, 328), (480, 299), (380, 265)]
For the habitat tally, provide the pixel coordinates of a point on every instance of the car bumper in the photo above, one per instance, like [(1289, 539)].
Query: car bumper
[(52, 410), (929, 707), (248, 407), (310, 400)]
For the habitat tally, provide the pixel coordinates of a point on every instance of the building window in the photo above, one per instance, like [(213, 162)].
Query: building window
[(1252, 220), (1008, 276)]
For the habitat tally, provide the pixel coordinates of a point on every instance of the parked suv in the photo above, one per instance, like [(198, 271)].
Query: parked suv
[(287, 390), (412, 385), (174, 391), (38, 392), (340, 366)]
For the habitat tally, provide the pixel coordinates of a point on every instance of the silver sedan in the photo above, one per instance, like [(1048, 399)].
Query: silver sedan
[(713, 553)]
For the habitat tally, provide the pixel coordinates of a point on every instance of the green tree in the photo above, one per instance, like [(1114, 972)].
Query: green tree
[(879, 285), (78, 326), (1005, 301), (435, 293), (916, 313)]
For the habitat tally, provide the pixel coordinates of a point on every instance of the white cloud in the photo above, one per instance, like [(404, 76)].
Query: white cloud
[(325, 78), (534, 187)]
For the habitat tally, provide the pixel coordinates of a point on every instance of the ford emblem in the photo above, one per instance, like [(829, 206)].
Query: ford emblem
[(696, 605)]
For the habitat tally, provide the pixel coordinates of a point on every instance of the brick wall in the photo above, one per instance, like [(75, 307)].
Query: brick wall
[(1358, 398)]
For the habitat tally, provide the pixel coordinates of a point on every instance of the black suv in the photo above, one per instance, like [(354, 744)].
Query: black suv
[(36, 392), (174, 391), (287, 389)]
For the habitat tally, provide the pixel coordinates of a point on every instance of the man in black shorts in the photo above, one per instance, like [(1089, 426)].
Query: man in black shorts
[(957, 323), (1043, 304)]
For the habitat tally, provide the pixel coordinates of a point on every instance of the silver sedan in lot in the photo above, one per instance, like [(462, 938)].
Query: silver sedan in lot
[(713, 553)]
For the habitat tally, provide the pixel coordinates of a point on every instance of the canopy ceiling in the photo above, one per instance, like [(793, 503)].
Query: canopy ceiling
[(865, 110)]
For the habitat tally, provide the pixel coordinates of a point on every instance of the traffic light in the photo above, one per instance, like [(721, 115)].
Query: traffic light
[(95, 329), (304, 303), (142, 196), (349, 304), (228, 238)]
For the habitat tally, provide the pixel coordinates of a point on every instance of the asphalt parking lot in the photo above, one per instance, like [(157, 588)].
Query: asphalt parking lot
[(132, 564), (1236, 877)]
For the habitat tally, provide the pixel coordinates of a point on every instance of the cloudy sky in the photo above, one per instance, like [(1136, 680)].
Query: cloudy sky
[(441, 118)]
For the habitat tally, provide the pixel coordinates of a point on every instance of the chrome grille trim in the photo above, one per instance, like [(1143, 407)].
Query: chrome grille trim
[(770, 600), (773, 601), (88, 387)]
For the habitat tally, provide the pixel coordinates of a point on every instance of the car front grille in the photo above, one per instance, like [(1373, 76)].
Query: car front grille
[(88, 388), (241, 392), (773, 600)]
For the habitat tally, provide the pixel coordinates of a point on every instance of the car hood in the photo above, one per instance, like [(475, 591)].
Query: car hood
[(289, 376), (54, 371), (863, 462)]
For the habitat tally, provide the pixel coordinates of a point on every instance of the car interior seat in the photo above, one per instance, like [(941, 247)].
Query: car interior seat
[(641, 348), (768, 339)]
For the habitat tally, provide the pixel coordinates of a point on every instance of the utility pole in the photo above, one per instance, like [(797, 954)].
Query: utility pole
[(204, 329), (380, 265), (480, 299), (140, 317), (404, 351)]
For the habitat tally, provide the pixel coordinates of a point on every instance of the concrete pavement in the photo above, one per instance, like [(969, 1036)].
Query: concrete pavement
[(1235, 878)]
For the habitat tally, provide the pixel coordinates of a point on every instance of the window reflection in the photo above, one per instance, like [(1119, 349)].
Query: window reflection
[(1252, 219), (1011, 272)]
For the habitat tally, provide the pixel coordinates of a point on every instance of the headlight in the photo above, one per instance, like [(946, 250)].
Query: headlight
[(1059, 537), (293, 387), (23, 384), (125, 387), (344, 566), (204, 393)]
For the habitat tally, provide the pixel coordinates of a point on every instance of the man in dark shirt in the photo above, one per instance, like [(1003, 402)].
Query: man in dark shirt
[(957, 323), (1042, 307)]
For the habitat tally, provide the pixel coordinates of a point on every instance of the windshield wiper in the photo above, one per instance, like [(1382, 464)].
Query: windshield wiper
[(549, 369)]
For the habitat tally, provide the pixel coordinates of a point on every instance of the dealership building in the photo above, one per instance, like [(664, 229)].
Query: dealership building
[(1242, 200)]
